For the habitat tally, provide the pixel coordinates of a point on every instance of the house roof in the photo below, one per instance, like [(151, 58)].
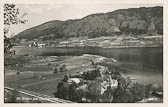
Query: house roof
[(75, 80)]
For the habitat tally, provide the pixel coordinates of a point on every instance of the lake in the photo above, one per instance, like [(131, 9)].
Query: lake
[(143, 63)]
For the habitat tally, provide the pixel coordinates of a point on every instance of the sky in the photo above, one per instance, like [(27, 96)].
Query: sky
[(41, 13)]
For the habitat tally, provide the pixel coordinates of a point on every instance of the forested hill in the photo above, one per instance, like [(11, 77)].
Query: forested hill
[(132, 21)]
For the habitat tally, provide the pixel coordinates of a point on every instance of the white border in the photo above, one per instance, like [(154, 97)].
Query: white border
[(165, 48)]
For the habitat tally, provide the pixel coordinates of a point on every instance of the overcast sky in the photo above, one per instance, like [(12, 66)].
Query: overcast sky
[(41, 13)]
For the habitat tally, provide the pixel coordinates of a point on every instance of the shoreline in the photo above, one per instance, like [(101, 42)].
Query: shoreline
[(115, 47), (110, 47)]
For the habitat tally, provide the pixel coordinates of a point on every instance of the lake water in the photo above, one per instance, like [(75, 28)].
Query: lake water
[(144, 64)]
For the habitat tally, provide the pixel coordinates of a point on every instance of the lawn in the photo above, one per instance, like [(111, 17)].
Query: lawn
[(30, 72)]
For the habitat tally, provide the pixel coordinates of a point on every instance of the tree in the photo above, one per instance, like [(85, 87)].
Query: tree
[(141, 27), (124, 83), (91, 75), (80, 94), (66, 77), (133, 26), (73, 93), (124, 26), (18, 72), (49, 65), (108, 95), (160, 89), (62, 90), (63, 68), (138, 26), (151, 28), (148, 90), (94, 90), (159, 25), (123, 96), (115, 74), (56, 70), (138, 91), (11, 16)]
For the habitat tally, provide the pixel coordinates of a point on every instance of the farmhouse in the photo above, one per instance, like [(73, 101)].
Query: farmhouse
[(40, 45), (74, 80), (64, 42)]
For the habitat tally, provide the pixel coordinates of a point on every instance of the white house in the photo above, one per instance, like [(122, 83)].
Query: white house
[(74, 80), (64, 42), (41, 45)]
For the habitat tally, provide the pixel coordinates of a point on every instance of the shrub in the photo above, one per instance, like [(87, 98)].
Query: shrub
[(62, 90), (138, 91), (63, 68), (123, 96), (94, 90)]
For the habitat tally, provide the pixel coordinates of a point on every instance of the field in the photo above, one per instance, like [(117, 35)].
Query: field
[(37, 74)]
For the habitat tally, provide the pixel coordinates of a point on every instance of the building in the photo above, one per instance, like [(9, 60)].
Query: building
[(74, 80), (40, 45), (117, 31), (23, 41), (64, 42), (30, 45), (110, 82)]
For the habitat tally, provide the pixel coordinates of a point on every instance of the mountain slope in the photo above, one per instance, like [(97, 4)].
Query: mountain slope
[(129, 21)]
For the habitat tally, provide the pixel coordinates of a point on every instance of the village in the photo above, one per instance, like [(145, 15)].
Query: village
[(104, 42)]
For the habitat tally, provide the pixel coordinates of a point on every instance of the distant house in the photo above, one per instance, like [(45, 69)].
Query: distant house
[(131, 43), (104, 42), (23, 41), (35, 39), (74, 80), (117, 31), (64, 42), (35, 43), (82, 87), (82, 42), (30, 45), (40, 45)]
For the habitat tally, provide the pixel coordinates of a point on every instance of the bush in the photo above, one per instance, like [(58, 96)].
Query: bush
[(56, 70), (63, 68), (123, 96), (148, 90), (73, 93), (94, 90), (138, 91), (124, 83), (49, 65), (107, 96), (66, 77), (91, 75), (18, 72), (62, 90)]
